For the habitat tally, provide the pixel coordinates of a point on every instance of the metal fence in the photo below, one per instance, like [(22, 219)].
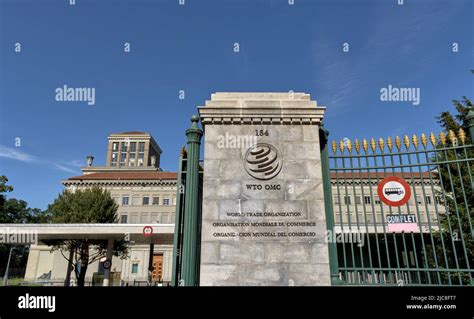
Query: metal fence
[(424, 238)]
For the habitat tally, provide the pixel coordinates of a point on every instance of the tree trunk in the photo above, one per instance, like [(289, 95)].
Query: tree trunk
[(84, 264), (82, 277)]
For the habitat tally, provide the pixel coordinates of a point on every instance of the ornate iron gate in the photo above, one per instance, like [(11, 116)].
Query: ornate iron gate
[(428, 240)]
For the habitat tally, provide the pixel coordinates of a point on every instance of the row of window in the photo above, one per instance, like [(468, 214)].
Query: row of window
[(144, 218), (145, 200), (133, 155), (347, 200)]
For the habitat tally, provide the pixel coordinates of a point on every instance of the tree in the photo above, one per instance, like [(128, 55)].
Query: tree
[(456, 177), (92, 205), (3, 189), (16, 211)]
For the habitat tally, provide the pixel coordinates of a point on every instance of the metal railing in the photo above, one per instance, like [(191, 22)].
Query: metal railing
[(440, 248)]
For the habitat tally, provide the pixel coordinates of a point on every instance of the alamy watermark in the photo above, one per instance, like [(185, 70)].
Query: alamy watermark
[(69, 94), (236, 141), (394, 94), (13, 236), (37, 302), (345, 236)]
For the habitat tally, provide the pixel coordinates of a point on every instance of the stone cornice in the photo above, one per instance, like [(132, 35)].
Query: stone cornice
[(119, 182), (261, 108)]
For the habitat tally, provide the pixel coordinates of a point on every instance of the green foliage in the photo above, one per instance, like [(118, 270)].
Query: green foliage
[(3, 185), (16, 211), (91, 205), (456, 234), (3, 189)]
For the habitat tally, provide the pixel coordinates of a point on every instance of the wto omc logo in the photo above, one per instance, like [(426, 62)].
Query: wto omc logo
[(262, 161)]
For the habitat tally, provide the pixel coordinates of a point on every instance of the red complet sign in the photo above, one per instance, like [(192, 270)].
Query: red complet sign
[(394, 191), (147, 231)]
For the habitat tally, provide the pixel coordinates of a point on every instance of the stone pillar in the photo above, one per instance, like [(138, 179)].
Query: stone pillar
[(263, 219), (110, 251)]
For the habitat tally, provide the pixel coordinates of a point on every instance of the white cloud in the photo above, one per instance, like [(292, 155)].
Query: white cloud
[(64, 168), (77, 163), (17, 155)]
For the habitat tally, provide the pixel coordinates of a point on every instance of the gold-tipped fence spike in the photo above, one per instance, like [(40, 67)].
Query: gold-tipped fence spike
[(415, 141), (406, 141), (451, 136), (442, 138), (398, 143), (334, 146), (462, 136), (365, 145), (357, 146), (341, 146), (389, 144), (349, 145), (433, 139), (381, 144), (372, 144), (424, 140)]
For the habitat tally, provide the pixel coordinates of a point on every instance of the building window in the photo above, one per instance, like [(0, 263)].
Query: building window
[(123, 219), (125, 200), (133, 147), (135, 268), (146, 200), (166, 201), (141, 153), (134, 218), (438, 200), (357, 198), (377, 201), (124, 147), (428, 200), (154, 218), (144, 218), (367, 199), (131, 160), (117, 200), (140, 159), (115, 146), (123, 157), (164, 218), (172, 218), (174, 200), (113, 161), (336, 200), (156, 201), (347, 200)]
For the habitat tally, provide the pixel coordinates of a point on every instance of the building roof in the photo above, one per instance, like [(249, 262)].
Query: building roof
[(381, 175), (127, 176), (131, 133)]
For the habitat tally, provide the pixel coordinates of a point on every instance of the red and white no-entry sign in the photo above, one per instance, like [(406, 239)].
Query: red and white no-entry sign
[(394, 191), (147, 231)]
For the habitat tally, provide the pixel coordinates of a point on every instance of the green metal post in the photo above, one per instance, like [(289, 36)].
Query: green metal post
[(190, 264), (332, 248), (177, 243)]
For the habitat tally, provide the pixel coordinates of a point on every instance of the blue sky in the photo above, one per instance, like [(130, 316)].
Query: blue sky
[(191, 47)]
